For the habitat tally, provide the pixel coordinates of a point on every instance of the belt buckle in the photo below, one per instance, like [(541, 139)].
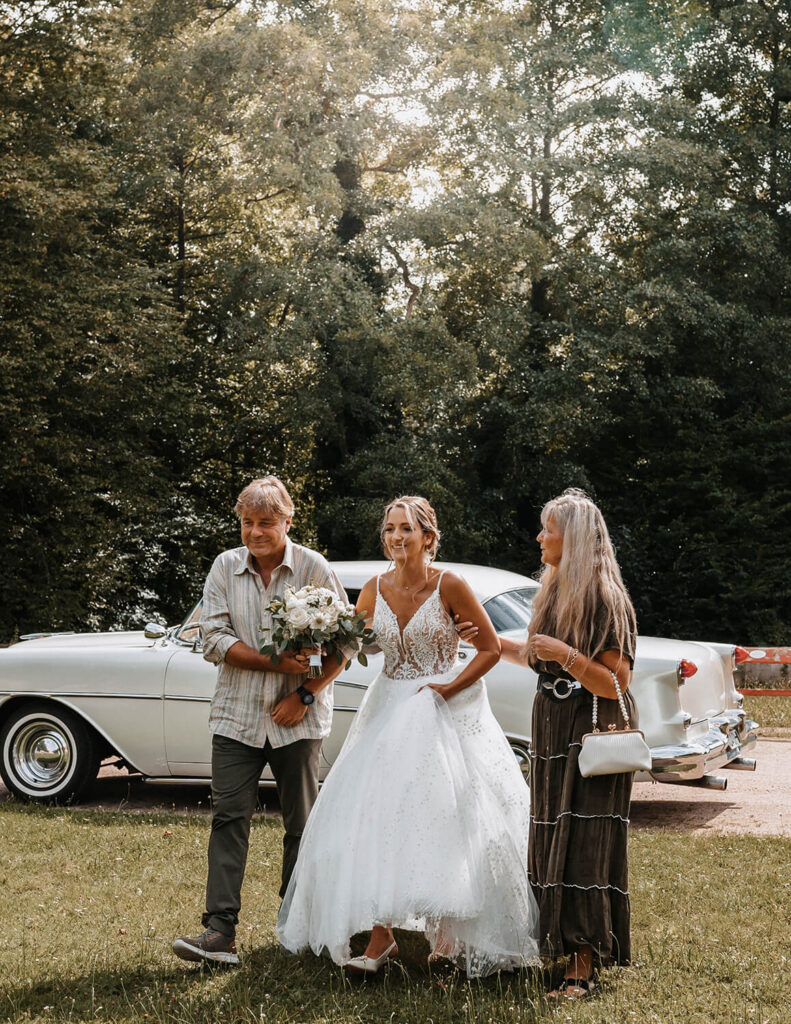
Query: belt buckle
[(567, 684)]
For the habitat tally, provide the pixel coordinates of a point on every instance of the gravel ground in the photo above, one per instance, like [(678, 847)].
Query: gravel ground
[(754, 802)]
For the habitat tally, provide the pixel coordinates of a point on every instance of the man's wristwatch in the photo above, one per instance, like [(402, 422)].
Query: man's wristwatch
[(305, 695)]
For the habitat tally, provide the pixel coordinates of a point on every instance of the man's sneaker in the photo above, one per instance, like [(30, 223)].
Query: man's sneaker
[(212, 945)]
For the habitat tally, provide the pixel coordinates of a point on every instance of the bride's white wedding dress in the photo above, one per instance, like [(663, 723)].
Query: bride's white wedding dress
[(423, 821)]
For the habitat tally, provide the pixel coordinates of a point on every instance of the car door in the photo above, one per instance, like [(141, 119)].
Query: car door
[(189, 687), (190, 682)]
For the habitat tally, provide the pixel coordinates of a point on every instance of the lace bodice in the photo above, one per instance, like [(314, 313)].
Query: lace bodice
[(428, 644)]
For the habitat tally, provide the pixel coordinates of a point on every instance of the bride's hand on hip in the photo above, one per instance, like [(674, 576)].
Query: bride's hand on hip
[(440, 688)]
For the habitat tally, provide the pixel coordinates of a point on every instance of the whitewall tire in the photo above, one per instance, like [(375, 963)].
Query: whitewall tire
[(47, 753)]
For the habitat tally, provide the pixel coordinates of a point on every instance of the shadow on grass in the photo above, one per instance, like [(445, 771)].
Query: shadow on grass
[(121, 791), (681, 815), (273, 985), (122, 811)]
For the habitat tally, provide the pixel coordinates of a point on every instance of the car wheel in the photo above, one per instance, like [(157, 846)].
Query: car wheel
[(521, 752), (47, 753)]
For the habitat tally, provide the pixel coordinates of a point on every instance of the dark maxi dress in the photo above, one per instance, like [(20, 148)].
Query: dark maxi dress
[(577, 859)]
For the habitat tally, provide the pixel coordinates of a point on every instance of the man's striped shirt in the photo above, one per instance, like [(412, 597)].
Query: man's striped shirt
[(234, 607)]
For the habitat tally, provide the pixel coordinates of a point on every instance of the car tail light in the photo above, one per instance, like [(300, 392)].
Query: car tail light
[(740, 654), (687, 668)]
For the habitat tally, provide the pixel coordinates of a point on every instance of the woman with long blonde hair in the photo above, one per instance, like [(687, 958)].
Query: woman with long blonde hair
[(582, 631)]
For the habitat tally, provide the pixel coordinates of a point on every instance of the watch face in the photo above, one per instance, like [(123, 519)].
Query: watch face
[(306, 695)]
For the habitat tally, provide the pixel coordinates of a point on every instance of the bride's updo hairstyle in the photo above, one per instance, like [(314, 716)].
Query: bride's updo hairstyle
[(582, 600), (420, 515)]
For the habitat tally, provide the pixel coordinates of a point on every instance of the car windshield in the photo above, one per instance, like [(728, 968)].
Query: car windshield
[(188, 631), (511, 610)]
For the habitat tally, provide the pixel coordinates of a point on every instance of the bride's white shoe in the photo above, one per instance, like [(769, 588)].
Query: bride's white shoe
[(371, 964)]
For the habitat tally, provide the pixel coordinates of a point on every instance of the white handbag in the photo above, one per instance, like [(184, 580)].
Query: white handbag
[(616, 750)]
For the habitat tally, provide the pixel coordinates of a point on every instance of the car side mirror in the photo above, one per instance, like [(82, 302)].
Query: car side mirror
[(197, 643), (153, 631)]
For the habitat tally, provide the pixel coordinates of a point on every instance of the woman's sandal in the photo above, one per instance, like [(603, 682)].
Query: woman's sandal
[(563, 990)]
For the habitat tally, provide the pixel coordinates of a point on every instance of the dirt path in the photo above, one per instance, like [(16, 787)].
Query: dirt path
[(755, 802)]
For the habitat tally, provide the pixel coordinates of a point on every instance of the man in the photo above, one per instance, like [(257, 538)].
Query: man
[(261, 714)]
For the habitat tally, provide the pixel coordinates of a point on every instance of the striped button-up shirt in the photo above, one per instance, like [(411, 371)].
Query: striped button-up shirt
[(234, 608)]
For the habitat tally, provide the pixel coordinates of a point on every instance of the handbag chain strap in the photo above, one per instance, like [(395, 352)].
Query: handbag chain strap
[(621, 702)]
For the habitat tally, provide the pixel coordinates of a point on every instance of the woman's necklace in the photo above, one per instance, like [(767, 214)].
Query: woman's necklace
[(415, 587)]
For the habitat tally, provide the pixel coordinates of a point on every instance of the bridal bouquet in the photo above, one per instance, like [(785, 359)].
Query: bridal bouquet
[(315, 617)]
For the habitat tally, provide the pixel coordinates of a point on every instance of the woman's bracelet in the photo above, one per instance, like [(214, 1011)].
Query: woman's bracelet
[(571, 657)]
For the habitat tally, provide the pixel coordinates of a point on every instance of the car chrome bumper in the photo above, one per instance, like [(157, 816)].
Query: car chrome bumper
[(730, 734)]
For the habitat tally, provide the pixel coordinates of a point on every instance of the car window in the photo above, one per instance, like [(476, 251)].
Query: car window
[(189, 629), (511, 610)]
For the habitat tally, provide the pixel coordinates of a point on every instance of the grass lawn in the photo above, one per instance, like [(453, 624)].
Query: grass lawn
[(771, 713), (92, 900)]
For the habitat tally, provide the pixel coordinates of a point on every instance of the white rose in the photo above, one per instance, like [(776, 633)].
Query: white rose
[(298, 617)]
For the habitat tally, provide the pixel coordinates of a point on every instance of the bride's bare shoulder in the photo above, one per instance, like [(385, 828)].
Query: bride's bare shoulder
[(453, 583), (369, 586), (367, 596)]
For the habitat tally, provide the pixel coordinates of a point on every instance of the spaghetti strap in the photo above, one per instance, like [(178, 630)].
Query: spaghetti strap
[(377, 586)]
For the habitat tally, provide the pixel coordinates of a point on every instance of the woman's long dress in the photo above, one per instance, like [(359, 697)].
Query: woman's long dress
[(578, 829), (423, 821)]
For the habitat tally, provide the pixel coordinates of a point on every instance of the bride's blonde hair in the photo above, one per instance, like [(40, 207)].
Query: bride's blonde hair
[(583, 599), (421, 516)]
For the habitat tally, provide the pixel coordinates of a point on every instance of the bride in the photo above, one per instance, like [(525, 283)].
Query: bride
[(423, 822)]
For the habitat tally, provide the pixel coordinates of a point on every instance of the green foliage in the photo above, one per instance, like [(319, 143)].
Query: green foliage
[(477, 251)]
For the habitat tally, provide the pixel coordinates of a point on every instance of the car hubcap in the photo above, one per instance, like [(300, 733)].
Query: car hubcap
[(41, 754), (522, 758)]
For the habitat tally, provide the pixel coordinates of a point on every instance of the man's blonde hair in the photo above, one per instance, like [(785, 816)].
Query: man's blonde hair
[(268, 496)]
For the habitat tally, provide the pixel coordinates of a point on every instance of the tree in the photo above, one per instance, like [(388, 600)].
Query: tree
[(87, 338)]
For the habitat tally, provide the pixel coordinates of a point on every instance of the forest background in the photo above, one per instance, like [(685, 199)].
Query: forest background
[(480, 251)]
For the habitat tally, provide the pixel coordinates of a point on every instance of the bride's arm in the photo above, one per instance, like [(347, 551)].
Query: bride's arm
[(458, 597), (365, 606)]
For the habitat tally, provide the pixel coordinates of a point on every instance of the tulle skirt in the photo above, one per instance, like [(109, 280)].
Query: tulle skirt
[(422, 824)]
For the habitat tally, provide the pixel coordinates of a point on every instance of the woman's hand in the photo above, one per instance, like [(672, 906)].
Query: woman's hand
[(547, 648), (439, 688), (467, 630)]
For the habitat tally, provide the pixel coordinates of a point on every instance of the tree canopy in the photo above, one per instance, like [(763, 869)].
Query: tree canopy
[(479, 251)]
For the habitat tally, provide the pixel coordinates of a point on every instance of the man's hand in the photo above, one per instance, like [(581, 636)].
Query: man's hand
[(289, 711), (293, 663)]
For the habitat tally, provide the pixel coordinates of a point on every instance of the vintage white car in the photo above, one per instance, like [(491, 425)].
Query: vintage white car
[(70, 700)]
